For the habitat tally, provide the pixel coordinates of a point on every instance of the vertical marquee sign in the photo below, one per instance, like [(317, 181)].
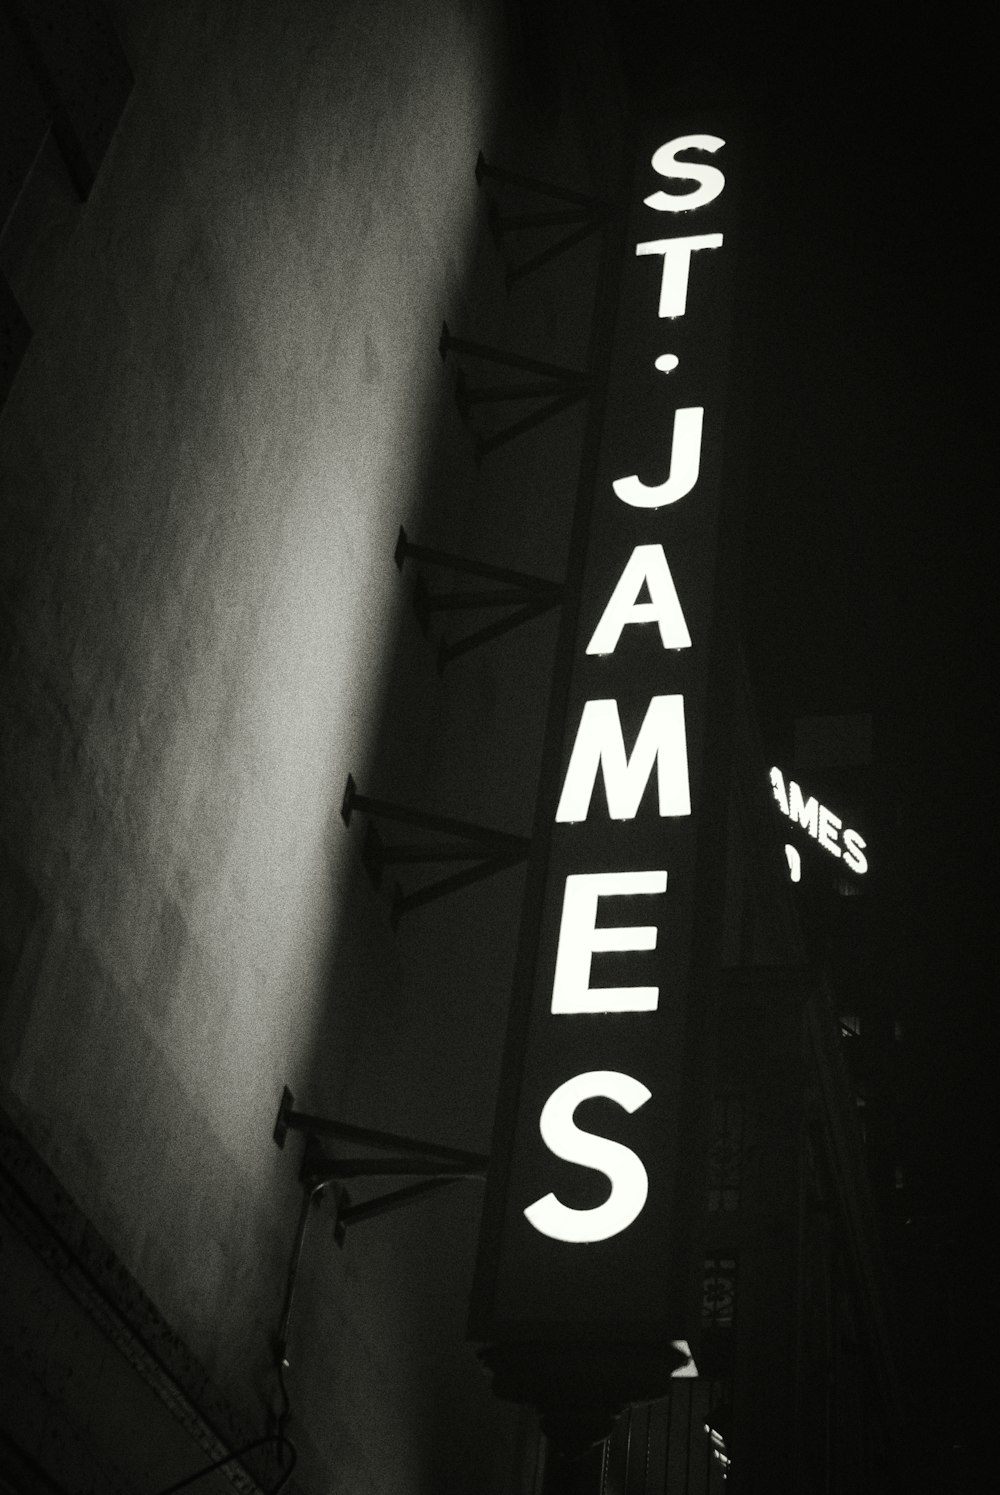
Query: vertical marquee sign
[(575, 1298)]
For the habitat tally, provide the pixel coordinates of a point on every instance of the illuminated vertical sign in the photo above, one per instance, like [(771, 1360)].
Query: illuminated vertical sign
[(582, 1199)]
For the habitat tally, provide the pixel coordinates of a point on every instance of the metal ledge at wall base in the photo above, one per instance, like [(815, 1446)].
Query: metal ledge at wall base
[(72, 1319), (580, 1390)]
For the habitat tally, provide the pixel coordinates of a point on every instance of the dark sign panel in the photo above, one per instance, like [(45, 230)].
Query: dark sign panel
[(583, 1199)]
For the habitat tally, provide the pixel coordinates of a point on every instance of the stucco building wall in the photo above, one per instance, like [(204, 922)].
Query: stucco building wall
[(229, 404)]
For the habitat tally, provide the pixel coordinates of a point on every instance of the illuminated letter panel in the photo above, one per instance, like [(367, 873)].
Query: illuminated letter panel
[(585, 1257)]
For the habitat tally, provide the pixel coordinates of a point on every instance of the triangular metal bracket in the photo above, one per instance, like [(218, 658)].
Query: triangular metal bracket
[(528, 596), (434, 1166), (489, 851), (552, 388), (321, 1174), (584, 215)]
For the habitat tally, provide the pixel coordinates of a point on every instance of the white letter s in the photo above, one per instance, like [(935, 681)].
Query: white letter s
[(624, 1170), (710, 178)]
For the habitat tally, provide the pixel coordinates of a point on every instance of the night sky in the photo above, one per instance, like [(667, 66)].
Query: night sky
[(869, 549)]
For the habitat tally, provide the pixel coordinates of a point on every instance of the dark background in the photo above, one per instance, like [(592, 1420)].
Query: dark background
[(866, 376)]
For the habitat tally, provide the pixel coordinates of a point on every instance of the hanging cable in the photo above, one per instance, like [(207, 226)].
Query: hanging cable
[(278, 1439)]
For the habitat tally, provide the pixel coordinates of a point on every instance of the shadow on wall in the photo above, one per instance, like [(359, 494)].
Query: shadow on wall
[(232, 400)]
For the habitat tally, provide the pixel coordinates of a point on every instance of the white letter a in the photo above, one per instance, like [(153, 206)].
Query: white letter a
[(648, 564)]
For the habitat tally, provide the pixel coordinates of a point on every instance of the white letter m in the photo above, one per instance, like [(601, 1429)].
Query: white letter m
[(600, 745)]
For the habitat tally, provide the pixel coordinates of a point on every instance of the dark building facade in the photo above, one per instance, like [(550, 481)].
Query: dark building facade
[(243, 472)]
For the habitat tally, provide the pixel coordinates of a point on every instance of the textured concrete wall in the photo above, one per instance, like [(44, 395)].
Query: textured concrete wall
[(228, 407)]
